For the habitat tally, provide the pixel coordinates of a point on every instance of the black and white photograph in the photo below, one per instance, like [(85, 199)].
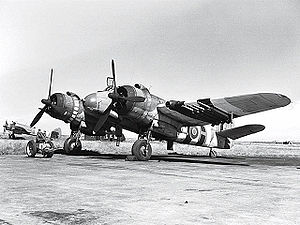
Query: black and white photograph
[(150, 112)]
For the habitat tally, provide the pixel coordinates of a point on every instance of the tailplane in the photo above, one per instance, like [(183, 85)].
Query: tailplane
[(239, 132)]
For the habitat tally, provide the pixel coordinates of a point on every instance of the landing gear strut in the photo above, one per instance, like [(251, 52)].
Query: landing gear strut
[(11, 136), (212, 153), (142, 149)]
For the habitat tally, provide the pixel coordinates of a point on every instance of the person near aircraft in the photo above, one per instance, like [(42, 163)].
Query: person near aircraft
[(40, 136)]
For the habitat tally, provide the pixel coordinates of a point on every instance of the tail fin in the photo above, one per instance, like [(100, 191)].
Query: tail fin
[(238, 132)]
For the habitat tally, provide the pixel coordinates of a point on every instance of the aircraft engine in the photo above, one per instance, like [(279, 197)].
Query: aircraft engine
[(67, 107), (123, 106), (144, 112)]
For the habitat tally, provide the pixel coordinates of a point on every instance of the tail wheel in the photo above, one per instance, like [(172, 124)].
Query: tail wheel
[(212, 153), (141, 151), (70, 145), (31, 149)]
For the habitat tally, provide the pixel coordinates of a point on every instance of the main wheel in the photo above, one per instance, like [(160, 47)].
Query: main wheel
[(71, 146), (140, 150), (31, 149)]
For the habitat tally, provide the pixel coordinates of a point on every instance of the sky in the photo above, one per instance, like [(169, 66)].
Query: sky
[(182, 50)]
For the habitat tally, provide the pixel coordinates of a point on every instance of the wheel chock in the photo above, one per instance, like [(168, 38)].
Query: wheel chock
[(131, 158)]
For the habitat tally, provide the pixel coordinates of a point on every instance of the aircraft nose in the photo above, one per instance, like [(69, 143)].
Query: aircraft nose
[(90, 101)]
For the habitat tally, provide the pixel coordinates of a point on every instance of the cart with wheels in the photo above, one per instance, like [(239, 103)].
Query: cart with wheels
[(45, 147)]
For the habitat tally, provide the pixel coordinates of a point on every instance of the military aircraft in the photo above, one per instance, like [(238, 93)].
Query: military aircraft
[(17, 128), (205, 122)]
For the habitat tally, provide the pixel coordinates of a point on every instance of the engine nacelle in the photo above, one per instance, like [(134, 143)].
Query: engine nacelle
[(142, 112), (67, 107)]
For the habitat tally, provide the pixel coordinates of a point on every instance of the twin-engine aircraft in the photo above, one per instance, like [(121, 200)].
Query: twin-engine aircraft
[(17, 128), (205, 122)]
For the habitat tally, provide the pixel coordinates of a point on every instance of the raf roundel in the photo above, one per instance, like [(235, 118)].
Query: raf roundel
[(194, 132)]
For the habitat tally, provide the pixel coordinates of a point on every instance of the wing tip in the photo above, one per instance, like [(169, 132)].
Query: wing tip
[(257, 127), (286, 100), (279, 99)]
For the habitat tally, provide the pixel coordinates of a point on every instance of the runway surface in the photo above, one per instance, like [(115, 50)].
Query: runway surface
[(110, 190)]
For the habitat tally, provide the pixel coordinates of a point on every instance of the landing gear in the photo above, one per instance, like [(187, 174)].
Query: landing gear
[(141, 150), (212, 153), (11, 136), (72, 145)]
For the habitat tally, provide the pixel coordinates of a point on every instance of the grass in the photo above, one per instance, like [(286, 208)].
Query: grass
[(17, 147)]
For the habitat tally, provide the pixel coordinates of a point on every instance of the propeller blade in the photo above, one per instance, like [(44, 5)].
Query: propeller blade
[(103, 118), (50, 85), (100, 122), (38, 116), (114, 75), (134, 99), (117, 97)]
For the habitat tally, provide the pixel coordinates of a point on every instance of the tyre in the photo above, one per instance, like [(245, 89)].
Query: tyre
[(31, 149), (70, 145), (139, 150)]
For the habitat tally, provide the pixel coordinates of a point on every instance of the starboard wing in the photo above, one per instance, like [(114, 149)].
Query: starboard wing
[(253, 103), (223, 110)]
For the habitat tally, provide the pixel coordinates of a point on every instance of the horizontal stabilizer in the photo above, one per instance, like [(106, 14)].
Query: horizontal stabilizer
[(238, 132)]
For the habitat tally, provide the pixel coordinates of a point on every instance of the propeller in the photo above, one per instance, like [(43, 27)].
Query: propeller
[(5, 126), (38, 116), (103, 118), (47, 103), (116, 97)]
